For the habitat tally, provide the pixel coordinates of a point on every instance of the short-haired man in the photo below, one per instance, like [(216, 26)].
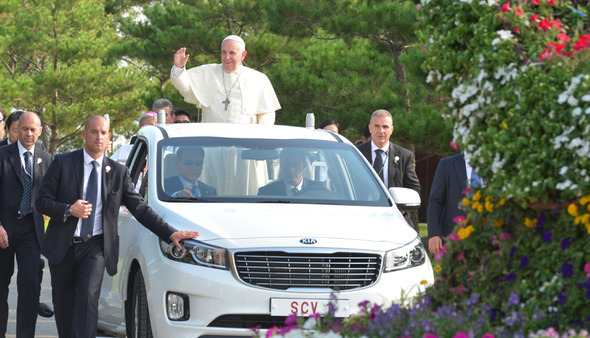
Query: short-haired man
[(292, 165), (12, 128), (167, 106), (81, 192), (227, 92), (182, 116), (395, 165), (145, 119), (22, 166), (189, 162)]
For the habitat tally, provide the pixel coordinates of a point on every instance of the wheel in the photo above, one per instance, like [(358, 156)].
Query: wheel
[(138, 319)]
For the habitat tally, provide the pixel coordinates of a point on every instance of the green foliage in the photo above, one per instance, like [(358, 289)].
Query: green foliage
[(56, 62)]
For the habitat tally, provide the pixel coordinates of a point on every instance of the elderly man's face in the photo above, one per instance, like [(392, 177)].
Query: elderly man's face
[(231, 55), (292, 168), (190, 165), (381, 128)]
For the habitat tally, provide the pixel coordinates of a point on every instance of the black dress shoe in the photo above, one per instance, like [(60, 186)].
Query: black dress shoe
[(45, 310)]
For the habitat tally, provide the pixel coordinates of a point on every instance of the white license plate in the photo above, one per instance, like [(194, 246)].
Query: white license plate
[(305, 307)]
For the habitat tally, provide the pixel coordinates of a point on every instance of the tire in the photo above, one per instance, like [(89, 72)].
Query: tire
[(138, 319)]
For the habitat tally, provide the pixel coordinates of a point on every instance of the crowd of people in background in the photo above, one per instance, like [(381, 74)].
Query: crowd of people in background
[(83, 228)]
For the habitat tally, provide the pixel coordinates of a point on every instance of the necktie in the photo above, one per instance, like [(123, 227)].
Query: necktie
[(378, 164), (195, 191), (25, 203), (475, 181), (295, 191), (91, 196)]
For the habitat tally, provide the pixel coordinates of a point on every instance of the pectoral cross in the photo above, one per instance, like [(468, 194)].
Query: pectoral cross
[(226, 102)]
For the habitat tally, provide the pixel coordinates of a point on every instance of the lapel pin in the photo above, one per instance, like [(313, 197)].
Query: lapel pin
[(39, 160), (395, 159), (107, 169)]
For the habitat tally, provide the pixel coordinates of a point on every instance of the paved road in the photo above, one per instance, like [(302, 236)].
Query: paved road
[(45, 326)]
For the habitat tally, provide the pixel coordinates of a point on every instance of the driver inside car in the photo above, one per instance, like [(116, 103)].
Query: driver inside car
[(292, 165), (189, 162)]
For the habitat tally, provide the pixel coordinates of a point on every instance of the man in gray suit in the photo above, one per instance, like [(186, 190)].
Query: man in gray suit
[(395, 165), (22, 166)]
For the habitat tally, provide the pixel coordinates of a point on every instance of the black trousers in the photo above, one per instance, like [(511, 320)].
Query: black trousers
[(75, 283), (24, 246)]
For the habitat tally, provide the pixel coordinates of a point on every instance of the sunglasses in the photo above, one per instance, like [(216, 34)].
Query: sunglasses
[(191, 162)]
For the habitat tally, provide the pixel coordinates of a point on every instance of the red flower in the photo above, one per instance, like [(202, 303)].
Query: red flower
[(534, 17), (582, 43), (563, 37), (557, 24), (516, 30), (557, 46), (518, 11), (546, 54), (505, 7), (544, 24), (551, 2), (537, 2)]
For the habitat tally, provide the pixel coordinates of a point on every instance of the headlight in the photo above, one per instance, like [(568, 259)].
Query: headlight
[(195, 252), (410, 255)]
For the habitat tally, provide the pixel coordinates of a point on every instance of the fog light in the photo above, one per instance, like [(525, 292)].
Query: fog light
[(177, 306)]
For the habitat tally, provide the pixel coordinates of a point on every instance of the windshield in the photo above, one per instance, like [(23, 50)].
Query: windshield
[(205, 169)]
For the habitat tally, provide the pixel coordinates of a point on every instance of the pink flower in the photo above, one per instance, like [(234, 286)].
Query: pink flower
[(454, 237), (518, 11), (453, 145), (551, 2), (470, 274), (537, 2), (422, 48), (488, 335), (563, 37), (418, 7), (459, 219), (505, 7), (466, 191), (505, 235), (461, 335), (494, 240), (441, 98), (441, 253), (461, 256), (430, 335), (271, 331), (534, 17), (587, 270)]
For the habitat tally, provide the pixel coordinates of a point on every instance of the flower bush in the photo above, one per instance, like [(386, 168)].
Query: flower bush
[(516, 76)]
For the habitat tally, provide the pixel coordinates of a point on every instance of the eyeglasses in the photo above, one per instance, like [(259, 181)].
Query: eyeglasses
[(1, 119), (191, 162), (182, 121)]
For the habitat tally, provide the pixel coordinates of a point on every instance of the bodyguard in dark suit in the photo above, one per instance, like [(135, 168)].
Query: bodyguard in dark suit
[(82, 192), (450, 181), (22, 166), (189, 162), (292, 164), (394, 164)]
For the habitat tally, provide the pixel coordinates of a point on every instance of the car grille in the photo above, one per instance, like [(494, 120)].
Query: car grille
[(282, 270)]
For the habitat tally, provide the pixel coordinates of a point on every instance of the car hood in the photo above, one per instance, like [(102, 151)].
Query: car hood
[(266, 225)]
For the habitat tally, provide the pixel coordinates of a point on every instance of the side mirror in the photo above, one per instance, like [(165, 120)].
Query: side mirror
[(405, 199)]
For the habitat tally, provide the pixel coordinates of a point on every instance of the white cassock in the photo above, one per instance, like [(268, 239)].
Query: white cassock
[(244, 96)]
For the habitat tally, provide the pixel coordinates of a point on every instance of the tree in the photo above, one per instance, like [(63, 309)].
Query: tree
[(56, 60)]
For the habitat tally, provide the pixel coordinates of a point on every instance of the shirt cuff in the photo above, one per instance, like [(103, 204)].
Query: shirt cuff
[(177, 71)]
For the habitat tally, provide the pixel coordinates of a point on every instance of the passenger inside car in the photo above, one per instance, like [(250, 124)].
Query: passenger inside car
[(292, 164), (189, 163)]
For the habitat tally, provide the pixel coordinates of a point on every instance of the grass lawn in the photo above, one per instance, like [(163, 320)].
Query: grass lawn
[(423, 229)]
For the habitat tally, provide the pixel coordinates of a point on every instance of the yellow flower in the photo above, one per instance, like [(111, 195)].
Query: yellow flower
[(465, 232), (423, 282), (488, 198), (530, 223), (466, 202), (438, 268), (502, 202), (588, 228), (498, 223), (489, 206), (505, 125), (480, 208), (477, 196), (572, 209), (585, 199)]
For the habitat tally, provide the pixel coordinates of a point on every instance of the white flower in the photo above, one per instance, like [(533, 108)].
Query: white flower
[(310, 324), (504, 34), (563, 170), (107, 168), (572, 101), (395, 159), (577, 111), (39, 160), (586, 98)]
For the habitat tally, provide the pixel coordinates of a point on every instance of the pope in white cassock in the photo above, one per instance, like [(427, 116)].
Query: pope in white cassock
[(228, 92)]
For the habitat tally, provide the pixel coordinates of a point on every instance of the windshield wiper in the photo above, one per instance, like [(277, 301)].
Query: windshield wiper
[(274, 201), (186, 199)]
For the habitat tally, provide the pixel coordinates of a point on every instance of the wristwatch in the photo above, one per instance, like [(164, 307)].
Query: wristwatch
[(68, 212)]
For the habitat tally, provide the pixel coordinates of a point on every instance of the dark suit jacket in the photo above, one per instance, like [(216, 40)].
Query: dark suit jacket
[(173, 184), (11, 186), (4, 142), (449, 181), (278, 188), (63, 185), (400, 174)]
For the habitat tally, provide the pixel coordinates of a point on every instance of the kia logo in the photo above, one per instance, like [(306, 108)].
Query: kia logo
[(308, 241)]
